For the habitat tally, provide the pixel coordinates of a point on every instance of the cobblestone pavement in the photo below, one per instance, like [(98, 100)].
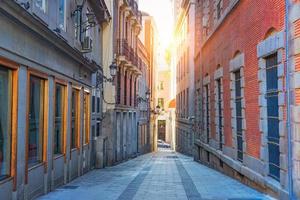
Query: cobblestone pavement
[(158, 176)]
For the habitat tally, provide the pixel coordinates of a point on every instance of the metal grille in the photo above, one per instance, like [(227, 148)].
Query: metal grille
[(219, 87), (273, 116), (207, 113), (239, 117)]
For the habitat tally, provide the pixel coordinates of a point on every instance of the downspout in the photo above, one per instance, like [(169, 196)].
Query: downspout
[(288, 121)]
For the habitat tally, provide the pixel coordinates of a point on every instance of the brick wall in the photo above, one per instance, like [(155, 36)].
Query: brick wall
[(244, 27)]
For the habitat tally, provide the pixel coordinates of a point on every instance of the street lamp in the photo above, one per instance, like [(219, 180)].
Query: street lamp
[(148, 95), (113, 69)]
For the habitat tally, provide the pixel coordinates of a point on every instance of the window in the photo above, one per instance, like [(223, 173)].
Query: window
[(118, 87), (98, 104), (59, 119), (161, 85), (239, 118), (273, 116), (130, 91), (62, 14), (36, 120), (219, 111), (125, 89), (77, 19), (41, 4), (93, 103), (98, 127), (5, 121), (187, 103), (86, 117), (161, 103), (219, 9), (75, 119), (207, 113)]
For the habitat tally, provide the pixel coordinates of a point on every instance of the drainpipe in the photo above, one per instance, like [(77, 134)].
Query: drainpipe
[(288, 122)]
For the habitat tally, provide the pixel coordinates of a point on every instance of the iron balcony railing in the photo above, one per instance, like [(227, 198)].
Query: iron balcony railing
[(123, 48)]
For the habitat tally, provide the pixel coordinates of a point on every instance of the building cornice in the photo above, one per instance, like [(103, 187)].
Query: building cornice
[(20, 16), (227, 12)]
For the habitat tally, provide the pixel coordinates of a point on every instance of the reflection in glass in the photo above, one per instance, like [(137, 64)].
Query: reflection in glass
[(59, 117), (74, 122), (5, 121), (35, 120), (41, 4), (62, 15)]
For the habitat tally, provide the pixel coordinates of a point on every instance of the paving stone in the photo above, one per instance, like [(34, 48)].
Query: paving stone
[(163, 175)]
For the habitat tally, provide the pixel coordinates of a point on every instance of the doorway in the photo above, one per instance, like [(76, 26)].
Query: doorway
[(162, 130)]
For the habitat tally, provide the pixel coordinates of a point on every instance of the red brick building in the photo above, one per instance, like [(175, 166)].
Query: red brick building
[(241, 92)]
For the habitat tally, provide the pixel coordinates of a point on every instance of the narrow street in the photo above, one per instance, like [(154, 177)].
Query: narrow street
[(162, 175)]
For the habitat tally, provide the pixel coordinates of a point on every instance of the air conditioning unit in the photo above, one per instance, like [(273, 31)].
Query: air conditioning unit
[(87, 44)]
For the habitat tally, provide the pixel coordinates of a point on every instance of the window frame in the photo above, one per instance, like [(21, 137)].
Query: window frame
[(65, 117), (14, 123), (41, 75), (87, 118), (77, 119), (238, 100), (271, 93), (64, 29)]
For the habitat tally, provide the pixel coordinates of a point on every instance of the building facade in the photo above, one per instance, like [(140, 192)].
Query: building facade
[(165, 118), (142, 100), (48, 55), (184, 63), (246, 102), (150, 37), (125, 130)]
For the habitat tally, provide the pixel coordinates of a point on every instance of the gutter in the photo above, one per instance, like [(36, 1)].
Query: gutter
[(288, 108)]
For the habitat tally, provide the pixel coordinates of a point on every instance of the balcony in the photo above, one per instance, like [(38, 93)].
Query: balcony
[(128, 56), (123, 49)]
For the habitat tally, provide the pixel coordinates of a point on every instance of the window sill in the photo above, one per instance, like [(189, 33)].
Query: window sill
[(5, 180), (36, 165)]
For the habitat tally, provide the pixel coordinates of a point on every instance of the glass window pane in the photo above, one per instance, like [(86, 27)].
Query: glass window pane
[(272, 78), (59, 116), (62, 15), (98, 104), (93, 103), (86, 117), (74, 122), (35, 120), (5, 121), (273, 130), (272, 108)]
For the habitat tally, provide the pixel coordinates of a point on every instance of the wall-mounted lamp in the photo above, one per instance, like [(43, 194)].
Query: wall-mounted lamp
[(113, 72)]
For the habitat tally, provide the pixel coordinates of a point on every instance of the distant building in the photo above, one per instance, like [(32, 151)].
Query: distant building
[(242, 109), (165, 118), (149, 35), (184, 63), (120, 120), (49, 52)]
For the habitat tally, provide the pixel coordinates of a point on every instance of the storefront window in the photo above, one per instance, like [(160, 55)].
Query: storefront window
[(86, 117), (5, 121), (59, 118), (75, 115), (36, 120)]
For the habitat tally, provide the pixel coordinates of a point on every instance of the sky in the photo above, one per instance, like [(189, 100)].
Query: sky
[(161, 10)]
